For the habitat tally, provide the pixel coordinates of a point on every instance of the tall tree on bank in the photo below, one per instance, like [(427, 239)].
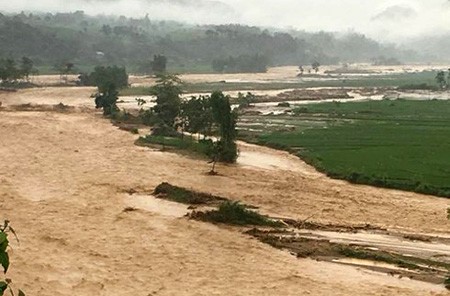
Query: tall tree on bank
[(225, 119), (196, 115), (168, 101), (108, 81), (440, 80)]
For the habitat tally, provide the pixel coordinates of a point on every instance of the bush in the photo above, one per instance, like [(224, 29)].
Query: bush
[(235, 213), (107, 101), (202, 148), (182, 195), (163, 130), (284, 104), (447, 283)]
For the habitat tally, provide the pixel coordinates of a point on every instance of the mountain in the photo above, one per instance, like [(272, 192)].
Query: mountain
[(58, 38)]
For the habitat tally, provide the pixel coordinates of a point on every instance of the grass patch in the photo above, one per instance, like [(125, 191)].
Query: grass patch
[(185, 196), (234, 213), (201, 148), (358, 253), (397, 144), (420, 86)]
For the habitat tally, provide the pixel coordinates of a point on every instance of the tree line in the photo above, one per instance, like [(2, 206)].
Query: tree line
[(211, 116), (12, 71)]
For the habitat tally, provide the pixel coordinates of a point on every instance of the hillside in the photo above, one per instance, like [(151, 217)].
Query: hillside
[(51, 39)]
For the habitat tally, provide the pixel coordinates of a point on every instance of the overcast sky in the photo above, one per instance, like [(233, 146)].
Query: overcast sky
[(389, 20)]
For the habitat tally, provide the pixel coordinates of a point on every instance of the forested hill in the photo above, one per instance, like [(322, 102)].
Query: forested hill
[(86, 41)]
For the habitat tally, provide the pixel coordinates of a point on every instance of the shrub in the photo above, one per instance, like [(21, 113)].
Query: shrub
[(284, 104), (182, 195), (447, 283), (235, 213)]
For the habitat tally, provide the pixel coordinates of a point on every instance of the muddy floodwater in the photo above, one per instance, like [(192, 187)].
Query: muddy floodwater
[(65, 174)]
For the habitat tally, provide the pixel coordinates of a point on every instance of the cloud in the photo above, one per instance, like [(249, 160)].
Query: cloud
[(395, 13)]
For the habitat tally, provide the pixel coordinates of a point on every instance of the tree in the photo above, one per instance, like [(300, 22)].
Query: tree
[(108, 80), (9, 71), (106, 77), (196, 115), (159, 64), (107, 100), (440, 79), (168, 101), (106, 29), (64, 68), (300, 68), (4, 73), (315, 66), (226, 119), (246, 100), (26, 67)]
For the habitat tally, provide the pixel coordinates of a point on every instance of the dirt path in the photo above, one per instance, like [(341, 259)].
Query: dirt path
[(62, 184)]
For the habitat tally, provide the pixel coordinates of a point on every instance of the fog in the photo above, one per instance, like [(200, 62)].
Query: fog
[(385, 20)]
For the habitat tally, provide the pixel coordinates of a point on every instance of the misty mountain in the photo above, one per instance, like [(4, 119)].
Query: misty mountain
[(434, 46), (382, 20), (51, 39)]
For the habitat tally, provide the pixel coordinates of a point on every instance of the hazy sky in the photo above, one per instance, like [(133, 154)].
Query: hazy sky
[(382, 19)]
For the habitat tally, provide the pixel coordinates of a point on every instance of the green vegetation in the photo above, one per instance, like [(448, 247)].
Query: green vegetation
[(442, 81), (5, 284), (182, 195), (10, 73), (103, 77), (398, 144), (246, 100), (168, 101), (196, 116), (108, 80), (225, 118), (235, 213), (51, 39), (201, 148), (171, 117), (364, 254)]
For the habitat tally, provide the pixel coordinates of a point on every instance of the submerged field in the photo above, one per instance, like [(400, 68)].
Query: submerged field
[(271, 81), (398, 144)]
